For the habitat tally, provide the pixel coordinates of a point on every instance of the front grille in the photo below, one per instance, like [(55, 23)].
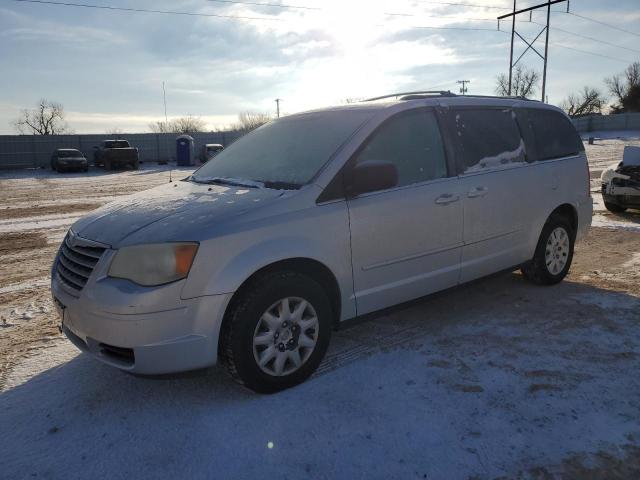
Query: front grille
[(76, 262)]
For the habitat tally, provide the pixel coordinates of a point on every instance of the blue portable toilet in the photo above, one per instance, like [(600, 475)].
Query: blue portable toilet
[(184, 151)]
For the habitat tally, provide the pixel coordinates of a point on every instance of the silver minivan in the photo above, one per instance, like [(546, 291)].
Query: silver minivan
[(316, 218)]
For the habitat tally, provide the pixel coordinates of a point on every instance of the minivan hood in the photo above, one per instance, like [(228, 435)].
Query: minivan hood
[(175, 210)]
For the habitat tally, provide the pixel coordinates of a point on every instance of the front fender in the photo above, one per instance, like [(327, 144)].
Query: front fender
[(224, 264)]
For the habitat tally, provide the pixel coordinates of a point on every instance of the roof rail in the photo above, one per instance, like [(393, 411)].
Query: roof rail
[(442, 93), (506, 97)]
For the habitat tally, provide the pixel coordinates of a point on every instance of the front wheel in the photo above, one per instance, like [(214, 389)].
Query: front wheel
[(554, 253), (614, 208), (277, 332)]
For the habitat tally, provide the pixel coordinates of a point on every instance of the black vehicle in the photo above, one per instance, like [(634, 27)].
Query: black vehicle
[(68, 159), (115, 153)]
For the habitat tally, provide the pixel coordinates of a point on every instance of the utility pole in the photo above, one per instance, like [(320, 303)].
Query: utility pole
[(464, 89), (530, 45), (164, 97), (278, 100)]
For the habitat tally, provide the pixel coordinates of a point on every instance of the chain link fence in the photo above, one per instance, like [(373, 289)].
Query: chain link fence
[(34, 151)]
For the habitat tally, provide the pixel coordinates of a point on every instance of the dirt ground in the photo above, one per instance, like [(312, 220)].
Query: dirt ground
[(37, 207)]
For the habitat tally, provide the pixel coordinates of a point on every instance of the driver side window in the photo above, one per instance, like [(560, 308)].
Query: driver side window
[(412, 142)]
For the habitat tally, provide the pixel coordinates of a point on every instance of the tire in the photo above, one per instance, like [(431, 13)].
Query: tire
[(107, 164), (614, 208), (557, 233), (258, 312), (85, 169), (135, 165)]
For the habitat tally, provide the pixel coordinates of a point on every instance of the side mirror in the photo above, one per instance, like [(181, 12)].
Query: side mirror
[(372, 176)]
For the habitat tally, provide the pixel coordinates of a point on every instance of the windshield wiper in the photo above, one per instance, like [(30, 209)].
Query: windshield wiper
[(235, 182), (281, 185)]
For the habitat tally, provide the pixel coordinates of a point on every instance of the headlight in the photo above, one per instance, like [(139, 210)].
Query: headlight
[(154, 264)]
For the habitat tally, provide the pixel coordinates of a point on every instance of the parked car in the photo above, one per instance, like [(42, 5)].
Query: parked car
[(68, 159), (316, 218), (115, 154), (621, 182), (209, 151)]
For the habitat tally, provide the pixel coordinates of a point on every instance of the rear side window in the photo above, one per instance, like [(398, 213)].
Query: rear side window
[(412, 142), (486, 139), (551, 134)]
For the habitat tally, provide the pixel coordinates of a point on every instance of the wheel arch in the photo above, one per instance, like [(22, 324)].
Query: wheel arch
[(307, 266), (569, 212)]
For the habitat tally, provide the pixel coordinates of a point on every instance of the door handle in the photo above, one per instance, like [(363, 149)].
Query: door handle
[(447, 198), (478, 192)]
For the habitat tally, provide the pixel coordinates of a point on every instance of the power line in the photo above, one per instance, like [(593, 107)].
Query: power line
[(260, 4), (588, 52), (463, 19), (603, 23), (604, 42), (473, 29), (471, 5), (144, 10)]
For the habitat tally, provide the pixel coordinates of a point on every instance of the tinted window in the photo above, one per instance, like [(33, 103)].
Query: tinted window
[(69, 154), (413, 143), (552, 135), (486, 139), (117, 144)]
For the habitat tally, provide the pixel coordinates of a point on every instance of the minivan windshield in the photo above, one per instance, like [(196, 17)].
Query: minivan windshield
[(285, 153)]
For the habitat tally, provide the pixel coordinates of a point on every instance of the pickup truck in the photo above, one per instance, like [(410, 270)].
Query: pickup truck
[(115, 153)]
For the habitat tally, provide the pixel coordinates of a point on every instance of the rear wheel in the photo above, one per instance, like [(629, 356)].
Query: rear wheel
[(277, 332), (614, 208), (554, 253), (135, 165), (107, 164)]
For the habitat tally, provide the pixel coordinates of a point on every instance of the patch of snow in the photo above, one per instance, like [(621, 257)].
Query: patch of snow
[(38, 223), (28, 285), (606, 221)]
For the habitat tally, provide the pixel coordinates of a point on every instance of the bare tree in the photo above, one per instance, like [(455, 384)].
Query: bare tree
[(188, 124), (587, 102), (248, 121), (46, 119), (624, 87), (523, 84), (115, 131)]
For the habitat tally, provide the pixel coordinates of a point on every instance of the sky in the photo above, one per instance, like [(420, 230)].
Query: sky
[(107, 67)]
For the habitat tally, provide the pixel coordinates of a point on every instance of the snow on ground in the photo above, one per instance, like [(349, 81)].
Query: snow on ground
[(497, 378), (434, 391)]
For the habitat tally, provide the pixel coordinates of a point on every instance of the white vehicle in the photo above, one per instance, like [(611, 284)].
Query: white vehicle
[(317, 218), (621, 182)]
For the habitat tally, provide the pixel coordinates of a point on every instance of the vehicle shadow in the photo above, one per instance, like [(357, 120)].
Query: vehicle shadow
[(431, 367)]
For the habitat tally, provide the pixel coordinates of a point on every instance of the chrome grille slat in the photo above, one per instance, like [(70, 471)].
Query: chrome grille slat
[(79, 259), (77, 269), (94, 252), (76, 263)]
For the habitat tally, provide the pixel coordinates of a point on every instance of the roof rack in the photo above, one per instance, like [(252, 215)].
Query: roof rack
[(506, 97), (442, 93)]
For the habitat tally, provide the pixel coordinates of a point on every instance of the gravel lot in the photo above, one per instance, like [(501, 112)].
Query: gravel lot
[(494, 379)]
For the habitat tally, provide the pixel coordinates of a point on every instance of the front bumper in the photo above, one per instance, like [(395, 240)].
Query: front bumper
[(131, 330)]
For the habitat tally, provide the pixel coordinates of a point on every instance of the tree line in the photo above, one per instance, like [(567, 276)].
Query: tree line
[(623, 87)]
